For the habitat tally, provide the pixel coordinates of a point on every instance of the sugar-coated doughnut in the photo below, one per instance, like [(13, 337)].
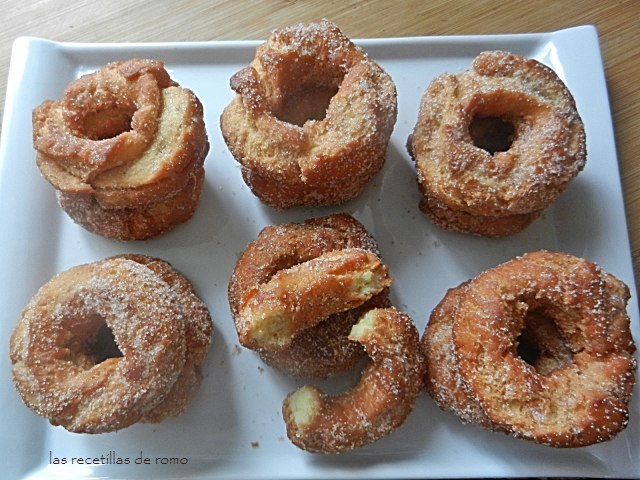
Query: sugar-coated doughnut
[(104, 345), (538, 347), (495, 145), (311, 118), (321, 350), (381, 401), (127, 144)]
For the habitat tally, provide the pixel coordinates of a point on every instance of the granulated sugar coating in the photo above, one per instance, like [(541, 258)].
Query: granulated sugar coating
[(321, 350), (312, 117), (159, 326), (381, 401), (497, 192), (575, 392), (310, 298)]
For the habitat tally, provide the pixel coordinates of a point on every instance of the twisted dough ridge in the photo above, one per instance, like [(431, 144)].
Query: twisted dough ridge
[(84, 131)]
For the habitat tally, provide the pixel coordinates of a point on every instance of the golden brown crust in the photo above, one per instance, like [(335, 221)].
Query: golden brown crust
[(485, 225), (160, 328), (442, 379), (322, 350), (377, 405), (198, 335), (302, 296), (466, 183), (312, 117), (575, 390), (141, 223), (87, 130), (124, 137)]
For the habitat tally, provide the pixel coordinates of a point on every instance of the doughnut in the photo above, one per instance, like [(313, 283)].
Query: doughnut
[(104, 345), (380, 402), (538, 347), (300, 297), (123, 142), (495, 145), (321, 350), (311, 117)]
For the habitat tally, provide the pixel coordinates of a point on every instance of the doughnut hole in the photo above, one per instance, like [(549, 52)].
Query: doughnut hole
[(107, 123), (492, 134), (497, 120), (306, 87), (92, 341), (542, 345), (308, 103), (102, 345)]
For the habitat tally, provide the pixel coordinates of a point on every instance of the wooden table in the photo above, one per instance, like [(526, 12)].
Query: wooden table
[(156, 21)]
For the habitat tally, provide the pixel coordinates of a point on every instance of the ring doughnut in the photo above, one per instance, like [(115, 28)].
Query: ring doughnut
[(377, 405), (572, 387), (107, 344), (495, 145), (311, 118), (321, 350), (123, 141)]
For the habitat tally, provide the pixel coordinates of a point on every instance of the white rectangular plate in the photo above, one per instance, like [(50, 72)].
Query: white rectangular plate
[(234, 428)]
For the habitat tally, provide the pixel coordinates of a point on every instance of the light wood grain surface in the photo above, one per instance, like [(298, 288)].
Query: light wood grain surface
[(618, 23)]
